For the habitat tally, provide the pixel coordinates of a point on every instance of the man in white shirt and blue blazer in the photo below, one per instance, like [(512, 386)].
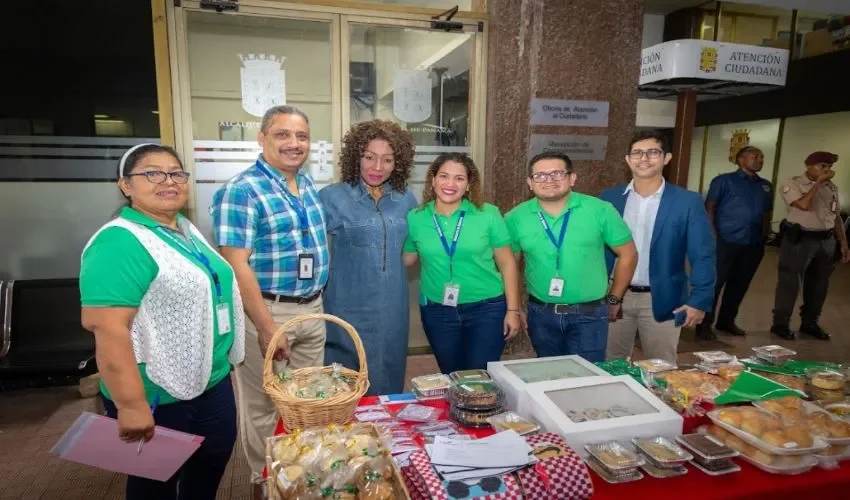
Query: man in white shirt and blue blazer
[(669, 225)]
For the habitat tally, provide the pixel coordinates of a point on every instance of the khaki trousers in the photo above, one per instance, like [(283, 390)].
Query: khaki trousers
[(658, 340), (257, 414)]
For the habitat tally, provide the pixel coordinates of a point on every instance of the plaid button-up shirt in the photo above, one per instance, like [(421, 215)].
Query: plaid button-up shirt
[(251, 211)]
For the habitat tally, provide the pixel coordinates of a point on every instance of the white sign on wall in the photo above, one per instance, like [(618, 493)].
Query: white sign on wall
[(263, 82), (713, 61), (577, 147), (322, 168), (412, 95), (568, 113)]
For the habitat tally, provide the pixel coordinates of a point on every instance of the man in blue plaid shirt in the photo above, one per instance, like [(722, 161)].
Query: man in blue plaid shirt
[(269, 224)]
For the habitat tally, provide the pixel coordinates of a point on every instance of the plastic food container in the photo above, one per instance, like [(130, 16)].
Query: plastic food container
[(655, 365), (472, 418), (483, 395), (512, 421), (614, 456), (840, 409), (661, 453), (826, 379), (469, 375), (833, 429), (613, 477), (664, 472), (805, 464), (430, 386), (714, 358), (717, 468), (705, 448), (774, 354), (818, 444)]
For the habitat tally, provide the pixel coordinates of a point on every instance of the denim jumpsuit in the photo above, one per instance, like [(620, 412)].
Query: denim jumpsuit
[(367, 285)]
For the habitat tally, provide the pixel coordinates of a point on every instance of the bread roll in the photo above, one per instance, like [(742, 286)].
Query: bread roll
[(778, 439), (753, 426), (799, 435), (736, 443), (718, 432), (762, 457), (839, 429), (787, 460), (829, 381), (730, 417)]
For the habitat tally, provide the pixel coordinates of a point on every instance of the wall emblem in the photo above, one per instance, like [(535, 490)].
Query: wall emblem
[(740, 138), (708, 60), (263, 82)]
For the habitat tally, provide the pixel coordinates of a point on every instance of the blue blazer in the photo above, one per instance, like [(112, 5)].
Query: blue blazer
[(681, 230)]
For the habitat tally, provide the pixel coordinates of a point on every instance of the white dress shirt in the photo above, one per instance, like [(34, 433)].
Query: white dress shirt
[(639, 214)]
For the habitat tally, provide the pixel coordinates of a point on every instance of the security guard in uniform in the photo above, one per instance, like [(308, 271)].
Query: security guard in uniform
[(808, 250)]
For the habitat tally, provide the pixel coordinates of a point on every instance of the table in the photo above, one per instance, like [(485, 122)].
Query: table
[(749, 484)]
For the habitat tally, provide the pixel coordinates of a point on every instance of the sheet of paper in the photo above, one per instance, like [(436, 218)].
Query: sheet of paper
[(481, 453)]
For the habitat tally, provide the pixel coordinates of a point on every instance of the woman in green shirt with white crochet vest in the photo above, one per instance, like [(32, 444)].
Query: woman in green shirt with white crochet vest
[(168, 323)]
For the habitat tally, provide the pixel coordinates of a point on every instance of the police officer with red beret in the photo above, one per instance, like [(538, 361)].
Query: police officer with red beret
[(813, 239)]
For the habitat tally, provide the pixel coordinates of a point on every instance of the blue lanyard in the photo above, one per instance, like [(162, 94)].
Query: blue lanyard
[(198, 255), (560, 241), (296, 204), (450, 250)]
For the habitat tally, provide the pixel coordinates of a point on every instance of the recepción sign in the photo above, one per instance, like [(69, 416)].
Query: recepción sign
[(713, 61), (577, 147), (568, 113)]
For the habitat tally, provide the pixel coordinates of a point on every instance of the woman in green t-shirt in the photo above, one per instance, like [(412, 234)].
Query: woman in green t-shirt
[(469, 300), (168, 323)]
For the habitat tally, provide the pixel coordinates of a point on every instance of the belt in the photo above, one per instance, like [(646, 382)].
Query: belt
[(580, 308), (639, 289), (291, 300), (817, 235)]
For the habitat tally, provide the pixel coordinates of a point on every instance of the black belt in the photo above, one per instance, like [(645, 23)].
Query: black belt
[(817, 235), (291, 300), (580, 308), (639, 289)]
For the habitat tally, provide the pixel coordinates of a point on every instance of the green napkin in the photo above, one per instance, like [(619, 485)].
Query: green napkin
[(749, 387), (789, 367), (620, 367)]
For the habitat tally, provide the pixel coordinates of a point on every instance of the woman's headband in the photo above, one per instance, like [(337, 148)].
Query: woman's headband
[(127, 154)]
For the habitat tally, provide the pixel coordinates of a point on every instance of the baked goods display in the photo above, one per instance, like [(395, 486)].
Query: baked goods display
[(431, 386), (817, 421), (829, 380), (729, 372), (762, 457), (838, 409), (350, 462), (774, 354), (319, 386), (686, 386), (483, 395), (766, 432), (472, 418), (614, 462), (661, 452), (713, 359), (510, 420), (789, 381), (469, 376)]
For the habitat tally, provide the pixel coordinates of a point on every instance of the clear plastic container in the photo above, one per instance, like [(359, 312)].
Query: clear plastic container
[(706, 448), (512, 421), (661, 452), (664, 472), (469, 376), (608, 476), (614, 456), (431, 385), (476, 395), (833, 429), (774, 354), (472, 418), (839, 409), (714, 358), (826, 379), (718, 469), (806, 462), (818, 444)]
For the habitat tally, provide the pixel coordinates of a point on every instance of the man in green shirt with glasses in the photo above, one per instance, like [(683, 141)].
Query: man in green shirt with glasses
[(562, 236)]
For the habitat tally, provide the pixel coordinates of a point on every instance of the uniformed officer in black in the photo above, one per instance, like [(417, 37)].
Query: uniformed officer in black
[(739, 205), (809, 247)]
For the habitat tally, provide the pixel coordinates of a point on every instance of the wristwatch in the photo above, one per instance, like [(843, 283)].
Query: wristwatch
[(613, 300)]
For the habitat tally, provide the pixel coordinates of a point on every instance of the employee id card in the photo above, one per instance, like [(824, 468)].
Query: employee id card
[(556, 287), (305, 266), (450, 295), (222, 316)]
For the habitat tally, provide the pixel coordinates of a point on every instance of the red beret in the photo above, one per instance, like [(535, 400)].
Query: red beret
[(821, 157)]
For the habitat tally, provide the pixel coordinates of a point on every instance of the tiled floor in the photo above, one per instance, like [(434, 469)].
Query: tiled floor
[(31, 421)]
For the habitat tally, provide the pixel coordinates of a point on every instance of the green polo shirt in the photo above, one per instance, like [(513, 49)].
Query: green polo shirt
[(474, 268), (116, 271), (593, 224)]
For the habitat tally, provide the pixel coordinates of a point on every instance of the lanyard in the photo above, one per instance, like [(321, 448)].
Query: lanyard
[(198, 255), (294, 202), (450, 250), (560, 241)]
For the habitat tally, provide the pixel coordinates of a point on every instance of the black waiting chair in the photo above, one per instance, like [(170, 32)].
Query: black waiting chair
[(40, 330)]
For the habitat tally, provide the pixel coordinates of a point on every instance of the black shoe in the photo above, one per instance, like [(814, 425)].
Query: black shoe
[(814, 330), (783, 331), (704, 332), (731, 329)]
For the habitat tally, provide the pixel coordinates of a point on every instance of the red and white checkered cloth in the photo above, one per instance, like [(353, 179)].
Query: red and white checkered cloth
[(558, 478), (426, 479)]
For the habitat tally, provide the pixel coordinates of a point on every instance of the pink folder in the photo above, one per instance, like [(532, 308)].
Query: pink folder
[(93, 440)]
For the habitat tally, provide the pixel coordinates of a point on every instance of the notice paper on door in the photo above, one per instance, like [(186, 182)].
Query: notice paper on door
[(93, 440)]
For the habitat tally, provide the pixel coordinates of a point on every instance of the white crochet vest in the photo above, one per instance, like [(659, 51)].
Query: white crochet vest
[(173, 328)]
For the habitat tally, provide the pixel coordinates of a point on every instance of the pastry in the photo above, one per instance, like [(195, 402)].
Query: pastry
[(840, 409), (736, 443), (778, 439), (834, 450), (787, 460), (730, 417), (838, 429), (831, 381), (786, 380), (293, 472), (718, 432), (752, 426), (799, 435)]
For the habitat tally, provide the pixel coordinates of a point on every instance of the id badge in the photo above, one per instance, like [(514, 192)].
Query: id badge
[(305, 266), (833, 206), (556, 287), (222, 315), (450, 295)]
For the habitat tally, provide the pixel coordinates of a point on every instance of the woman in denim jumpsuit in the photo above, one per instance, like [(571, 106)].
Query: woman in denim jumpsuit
[(366, 216)]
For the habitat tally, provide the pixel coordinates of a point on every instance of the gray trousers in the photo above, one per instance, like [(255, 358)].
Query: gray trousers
[(812, 261)]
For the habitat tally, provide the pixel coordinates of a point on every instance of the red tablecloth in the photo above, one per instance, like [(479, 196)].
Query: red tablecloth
[(749, 484)]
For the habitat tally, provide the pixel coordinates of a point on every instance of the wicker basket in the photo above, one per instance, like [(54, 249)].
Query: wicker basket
[(302, 413)]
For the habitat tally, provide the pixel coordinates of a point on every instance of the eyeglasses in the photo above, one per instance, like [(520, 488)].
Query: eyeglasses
[(159, 177), (652, 154), (555, 175)]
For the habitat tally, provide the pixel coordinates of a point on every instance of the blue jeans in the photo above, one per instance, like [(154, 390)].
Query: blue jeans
[(585, 334), (211, 415), (467, 336)]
